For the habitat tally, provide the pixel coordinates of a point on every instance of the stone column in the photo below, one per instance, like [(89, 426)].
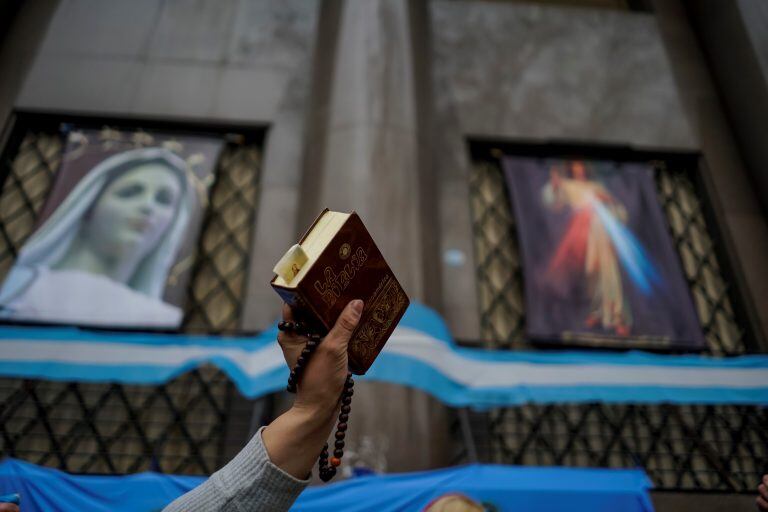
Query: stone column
[(366, 151), (19, 46), (733, 196)]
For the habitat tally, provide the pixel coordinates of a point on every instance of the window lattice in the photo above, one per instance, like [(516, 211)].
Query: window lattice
[(218, 280), (696, 246), (498, 260), (681, 447), (177, 427)]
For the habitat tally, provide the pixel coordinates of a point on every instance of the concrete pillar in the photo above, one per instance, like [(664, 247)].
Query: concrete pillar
[(366, 152), (725, 175), (19, 48), (369, 161)]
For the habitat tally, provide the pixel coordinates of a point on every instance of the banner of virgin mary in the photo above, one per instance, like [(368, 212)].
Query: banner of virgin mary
[(599, 266), (114, 241)]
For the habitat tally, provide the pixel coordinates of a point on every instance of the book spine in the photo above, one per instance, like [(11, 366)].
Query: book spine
[(290, 297), (301, 307)]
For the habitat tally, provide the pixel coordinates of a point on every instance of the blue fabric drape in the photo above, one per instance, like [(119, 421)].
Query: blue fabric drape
[(507, 488)]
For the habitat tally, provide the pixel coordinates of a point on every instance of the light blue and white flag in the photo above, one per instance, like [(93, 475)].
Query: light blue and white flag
[(420, 354)]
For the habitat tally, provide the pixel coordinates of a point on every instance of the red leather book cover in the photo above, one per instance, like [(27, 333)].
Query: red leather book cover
[(351, 267)]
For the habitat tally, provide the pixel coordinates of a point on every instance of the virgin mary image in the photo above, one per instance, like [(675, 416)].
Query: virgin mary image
[(103, 256)]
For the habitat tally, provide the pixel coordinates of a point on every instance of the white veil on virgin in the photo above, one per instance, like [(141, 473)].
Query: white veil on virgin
[(50, 242)]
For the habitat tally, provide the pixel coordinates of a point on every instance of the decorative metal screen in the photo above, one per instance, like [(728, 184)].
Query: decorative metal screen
[(178, 427), (688, 447), (218, 279), (681, 447)]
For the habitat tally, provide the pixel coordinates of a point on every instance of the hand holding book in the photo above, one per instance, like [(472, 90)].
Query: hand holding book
[(294, 439), (323, 380), (326, 328)]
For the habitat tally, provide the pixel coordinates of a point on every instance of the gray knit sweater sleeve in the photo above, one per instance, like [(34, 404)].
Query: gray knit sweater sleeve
[(248, 483)]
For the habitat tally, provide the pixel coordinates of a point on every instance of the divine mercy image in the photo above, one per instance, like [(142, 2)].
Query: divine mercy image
[(114, 238), (599, 265)]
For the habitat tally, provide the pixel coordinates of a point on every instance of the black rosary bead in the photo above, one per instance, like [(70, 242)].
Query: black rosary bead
[(327, 474)]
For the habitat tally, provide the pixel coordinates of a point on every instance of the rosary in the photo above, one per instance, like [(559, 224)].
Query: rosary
[(327, 471)]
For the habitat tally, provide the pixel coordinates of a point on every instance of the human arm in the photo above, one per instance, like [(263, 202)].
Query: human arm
[(312, 416), (273, 468), (762, 496)]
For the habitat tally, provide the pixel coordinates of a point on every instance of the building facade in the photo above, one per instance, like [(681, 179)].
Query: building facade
[(401, 111)]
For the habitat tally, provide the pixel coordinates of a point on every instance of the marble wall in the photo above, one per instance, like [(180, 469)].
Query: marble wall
[(226, 60), (18, 47), (512, 70)]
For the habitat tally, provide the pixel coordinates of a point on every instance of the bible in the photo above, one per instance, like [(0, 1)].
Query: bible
[(337, 261)]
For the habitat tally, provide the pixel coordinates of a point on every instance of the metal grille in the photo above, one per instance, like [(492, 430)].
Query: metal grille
[(681, 447), (25, 189), (497, 256), (701, 447), (682, 203), (177, 427), (218, 280)]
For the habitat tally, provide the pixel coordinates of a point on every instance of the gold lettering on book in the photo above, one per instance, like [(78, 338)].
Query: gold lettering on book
[(333, 285), (387, 303)]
